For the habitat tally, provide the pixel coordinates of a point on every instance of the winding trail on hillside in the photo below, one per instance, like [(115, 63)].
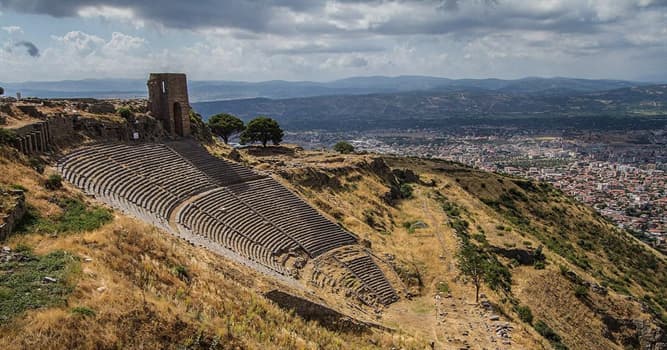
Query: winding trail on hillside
[(434, 223), (457, 323)]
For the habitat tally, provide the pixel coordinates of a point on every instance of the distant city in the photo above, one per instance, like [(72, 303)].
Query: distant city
[(621, 174)]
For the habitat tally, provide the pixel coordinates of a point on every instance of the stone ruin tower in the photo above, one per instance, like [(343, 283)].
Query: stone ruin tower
[(168, 102)]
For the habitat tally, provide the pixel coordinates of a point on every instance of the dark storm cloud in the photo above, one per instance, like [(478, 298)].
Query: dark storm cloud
[(462, 17), (357, 62), (30, 48), (246, 14), (486, 16)]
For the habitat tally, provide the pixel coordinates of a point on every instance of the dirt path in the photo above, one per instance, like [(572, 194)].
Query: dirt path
[(454, 321), (434, 224)]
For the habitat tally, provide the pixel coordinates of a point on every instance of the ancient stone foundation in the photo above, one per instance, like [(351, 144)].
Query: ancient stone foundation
[(57, 130), (33, 138), (14, 214)]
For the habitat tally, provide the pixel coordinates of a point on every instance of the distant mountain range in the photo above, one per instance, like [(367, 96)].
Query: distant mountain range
[(402, 102), (513, 104), (277, 89)]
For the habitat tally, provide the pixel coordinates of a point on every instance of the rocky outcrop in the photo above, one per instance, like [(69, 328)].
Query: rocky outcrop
[(406, 175), (6, 108), (101, 107), (12, 215), (636, 334), (312, 178), (330, 178)]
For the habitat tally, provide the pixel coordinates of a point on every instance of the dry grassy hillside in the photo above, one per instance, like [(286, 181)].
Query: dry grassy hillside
[(119, 283), (563, 276), (558, 276)]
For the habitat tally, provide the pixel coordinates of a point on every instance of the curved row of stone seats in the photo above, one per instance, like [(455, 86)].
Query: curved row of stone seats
[(229, 210), (223, 172), (173, 172), (367, 270), (334, 275), (315, 233), (150, 175), (104, 175), (120, 184), (202, 221)]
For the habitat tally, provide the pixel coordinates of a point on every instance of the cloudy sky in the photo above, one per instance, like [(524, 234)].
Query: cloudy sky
[(257, 40)]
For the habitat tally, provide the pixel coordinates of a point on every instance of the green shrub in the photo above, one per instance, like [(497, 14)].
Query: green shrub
[(525, 314), (343, 147), (412, 226), (497, 275), (546, 331), (7, 137), (36, 164), (84, 311), (125, 113), (54, 182), (479, 237), (18, 187), (538, 255), (406, 191), (443, 287), (539, 265), (451, 209), (581, 291), (182, 273), (23, 249)]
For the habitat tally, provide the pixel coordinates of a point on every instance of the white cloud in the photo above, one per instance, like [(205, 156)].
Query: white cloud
[(78, 54), (80, 43), (124, 43), (13, 29)]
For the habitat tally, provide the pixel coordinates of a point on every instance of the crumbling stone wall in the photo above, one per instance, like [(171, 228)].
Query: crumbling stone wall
[(59, 130), (14, 214), (168, 102), (40, 136), (5, 111), (31, 110), (33, 138)]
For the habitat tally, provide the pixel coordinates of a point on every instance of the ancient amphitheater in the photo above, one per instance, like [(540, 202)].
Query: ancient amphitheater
[(181, 188)]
